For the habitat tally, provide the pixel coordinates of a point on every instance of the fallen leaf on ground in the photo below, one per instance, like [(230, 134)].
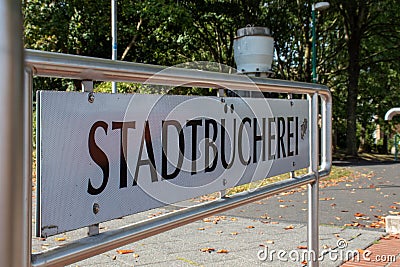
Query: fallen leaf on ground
[(360, 201), (283, 206), (124, 251), (136, 255), (234, 233), (270, 242), (201, 228), (222, 251), (394, 212), (209, 250), (61, 239), (302, 247), (326, 198), (289, 227), (250, 227), (359, 214)]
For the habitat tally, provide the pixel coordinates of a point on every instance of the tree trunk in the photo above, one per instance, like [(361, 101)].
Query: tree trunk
[(352, 93)]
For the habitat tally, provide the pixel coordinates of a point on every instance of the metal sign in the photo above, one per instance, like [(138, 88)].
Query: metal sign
[(103, 156)]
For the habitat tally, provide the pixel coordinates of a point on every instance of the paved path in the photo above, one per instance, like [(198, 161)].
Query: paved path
[(246, 235)]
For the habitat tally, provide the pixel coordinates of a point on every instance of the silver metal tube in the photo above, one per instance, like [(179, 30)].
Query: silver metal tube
[(48, 64), (27, 184), (12, 201), (91, 246), (313, 188), (326, 136), (114, 37)]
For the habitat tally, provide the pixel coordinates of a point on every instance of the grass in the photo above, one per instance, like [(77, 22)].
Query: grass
[(337, 174)]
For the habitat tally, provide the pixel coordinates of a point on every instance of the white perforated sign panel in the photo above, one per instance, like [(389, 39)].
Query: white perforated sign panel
[(122, 154)]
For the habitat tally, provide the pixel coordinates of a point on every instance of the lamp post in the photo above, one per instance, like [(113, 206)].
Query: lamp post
[(319, 7), (114, 37)]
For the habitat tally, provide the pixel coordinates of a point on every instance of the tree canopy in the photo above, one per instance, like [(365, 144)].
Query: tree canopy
[(358, 42)]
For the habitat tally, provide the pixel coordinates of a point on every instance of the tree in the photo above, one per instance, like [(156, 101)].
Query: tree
[(364, 22)]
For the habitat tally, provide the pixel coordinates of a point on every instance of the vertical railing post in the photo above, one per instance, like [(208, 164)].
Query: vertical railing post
[(27, 186), (12, 205), (313, 190)]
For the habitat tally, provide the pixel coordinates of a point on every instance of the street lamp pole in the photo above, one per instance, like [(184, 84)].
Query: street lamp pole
[(114, 37), (319, 7)]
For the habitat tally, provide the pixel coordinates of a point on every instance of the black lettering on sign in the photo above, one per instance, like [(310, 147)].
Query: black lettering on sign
[(99, 157), (146, 138), (164, 160), (270, 138), (290, 135), (281, 134), (240, 141), (210, 143), (225, 164), (257, 138), (194, 124), (123, 169)]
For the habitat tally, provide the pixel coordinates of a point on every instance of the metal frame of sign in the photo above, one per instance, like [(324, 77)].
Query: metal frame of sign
[(46, 64)]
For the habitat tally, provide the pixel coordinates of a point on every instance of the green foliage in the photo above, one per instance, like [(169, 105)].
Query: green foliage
[(357, 46)]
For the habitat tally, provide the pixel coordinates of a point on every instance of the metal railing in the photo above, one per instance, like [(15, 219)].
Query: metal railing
[(85, 68), (16, 143)]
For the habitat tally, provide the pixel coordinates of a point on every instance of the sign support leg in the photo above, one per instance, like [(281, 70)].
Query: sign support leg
[(313, 189)]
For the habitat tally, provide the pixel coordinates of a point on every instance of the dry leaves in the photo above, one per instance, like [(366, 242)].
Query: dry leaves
[(124, 251), (60, 239), (326, 198), (359, 214), (209, 250), (222, 251), (289, 227), (394, 212)]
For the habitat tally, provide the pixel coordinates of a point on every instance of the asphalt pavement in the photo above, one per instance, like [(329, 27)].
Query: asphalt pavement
[(271, 232)]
